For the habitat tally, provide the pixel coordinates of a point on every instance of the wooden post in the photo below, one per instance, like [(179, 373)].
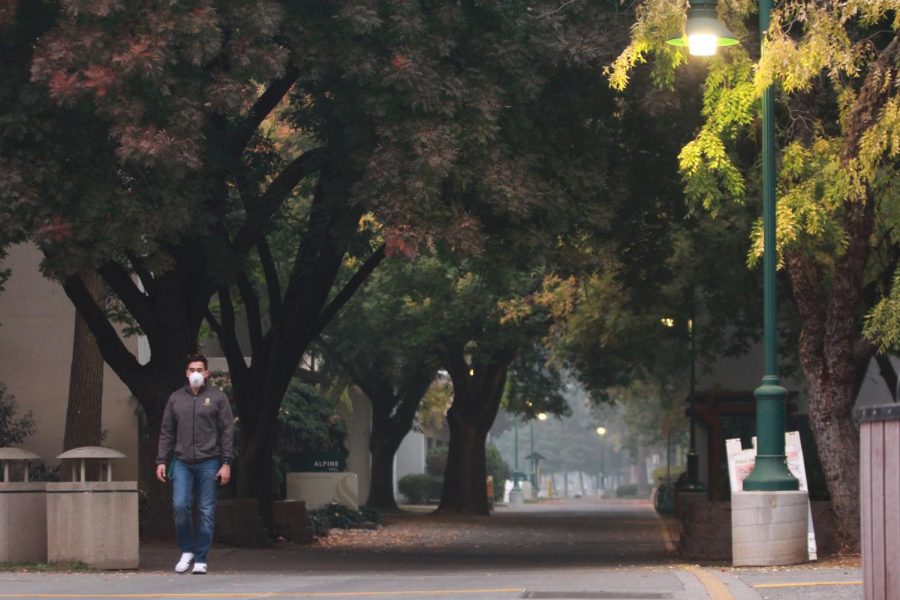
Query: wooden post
[(879, 493)]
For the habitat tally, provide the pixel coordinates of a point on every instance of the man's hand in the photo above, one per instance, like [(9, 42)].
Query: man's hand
[(161, 472), (224, 474)]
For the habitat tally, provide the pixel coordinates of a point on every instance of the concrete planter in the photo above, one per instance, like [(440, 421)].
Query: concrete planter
[(321, 489), (93, 522), (23, 513)]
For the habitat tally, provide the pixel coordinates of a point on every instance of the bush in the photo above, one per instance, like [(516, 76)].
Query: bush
[(498, 468), (338, 516), (659, 474), (13, 430), (420, 488), (627, 491)]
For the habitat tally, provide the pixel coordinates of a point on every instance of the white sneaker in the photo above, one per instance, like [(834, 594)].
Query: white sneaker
[(199, 569), (185, 562)]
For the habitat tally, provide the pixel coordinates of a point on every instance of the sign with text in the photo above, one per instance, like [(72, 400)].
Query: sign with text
[(319, 462), (741, 463)]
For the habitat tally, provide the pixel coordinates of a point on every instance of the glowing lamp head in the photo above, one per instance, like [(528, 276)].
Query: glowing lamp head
[(601, 431), (542, 416), (703, 32)]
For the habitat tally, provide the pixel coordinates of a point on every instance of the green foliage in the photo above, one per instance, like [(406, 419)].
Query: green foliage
[(436, 460), (13, 430), (882, 324), (498, 469), (659, 475), (420, 488), (308, 422), (628, 490)]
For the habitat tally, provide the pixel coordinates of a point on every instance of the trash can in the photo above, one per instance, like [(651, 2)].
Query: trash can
[(93, 522), (879, 498), (23, 511)]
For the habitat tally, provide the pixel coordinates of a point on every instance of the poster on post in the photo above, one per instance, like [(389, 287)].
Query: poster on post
[(741, 462)]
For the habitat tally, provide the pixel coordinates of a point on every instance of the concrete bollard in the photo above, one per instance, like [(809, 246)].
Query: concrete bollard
[(93, 522), (769, 528), (23, 512)]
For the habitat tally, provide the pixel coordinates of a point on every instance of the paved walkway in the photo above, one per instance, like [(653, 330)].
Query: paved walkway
[(576, 549)]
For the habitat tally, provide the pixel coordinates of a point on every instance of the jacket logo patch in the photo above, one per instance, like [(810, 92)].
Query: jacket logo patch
[(206, 402)]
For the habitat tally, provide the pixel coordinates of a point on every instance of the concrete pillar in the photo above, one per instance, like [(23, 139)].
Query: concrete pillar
[(359, 458), (769, 528)]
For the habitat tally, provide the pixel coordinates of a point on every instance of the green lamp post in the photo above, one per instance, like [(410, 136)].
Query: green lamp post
[(601, 431), (704, 33)]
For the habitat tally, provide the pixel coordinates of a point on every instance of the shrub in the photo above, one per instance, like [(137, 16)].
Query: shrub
[(338, 516), (627, 491), (659, 474), (419, 488), (13, 430), (498, 468)]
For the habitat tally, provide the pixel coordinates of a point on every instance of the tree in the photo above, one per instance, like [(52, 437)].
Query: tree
[(384, 341), (837, 228), (13, 429), (492, 321), (178, 183)]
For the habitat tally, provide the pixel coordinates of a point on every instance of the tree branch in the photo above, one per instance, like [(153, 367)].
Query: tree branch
[(114, 352), (271, 274), (254, 315), (137, 303), (348, 290), (261, 109), (281, 187), (225, 331)]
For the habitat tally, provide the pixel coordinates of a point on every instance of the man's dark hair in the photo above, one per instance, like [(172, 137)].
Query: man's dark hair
[(197, 358)]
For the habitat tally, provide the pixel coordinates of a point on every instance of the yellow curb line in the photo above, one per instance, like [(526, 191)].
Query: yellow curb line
[(280, 594), (714, 586), (804, 584)]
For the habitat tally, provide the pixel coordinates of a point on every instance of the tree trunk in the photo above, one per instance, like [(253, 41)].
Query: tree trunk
[(381, 487), (837, 440), (476, 399), (466, 475), (255, 471), (156, 520), (85, 407), (643, 490)]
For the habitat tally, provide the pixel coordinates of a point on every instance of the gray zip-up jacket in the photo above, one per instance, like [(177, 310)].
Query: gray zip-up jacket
[(196, 427)]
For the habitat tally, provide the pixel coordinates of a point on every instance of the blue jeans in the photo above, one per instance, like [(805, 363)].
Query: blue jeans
[(187, 481)]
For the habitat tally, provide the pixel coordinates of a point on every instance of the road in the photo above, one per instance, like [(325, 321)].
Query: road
[(575, 549)]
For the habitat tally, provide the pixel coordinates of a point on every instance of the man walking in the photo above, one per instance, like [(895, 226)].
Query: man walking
[(197, 424)]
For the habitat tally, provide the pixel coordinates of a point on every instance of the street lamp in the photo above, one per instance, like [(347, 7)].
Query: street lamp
[(770, 472), (704, 33), (601, 431), (768, 525), (535, 458)]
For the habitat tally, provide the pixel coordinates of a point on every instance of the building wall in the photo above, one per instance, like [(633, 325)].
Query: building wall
[(410, 458), (36, 332)]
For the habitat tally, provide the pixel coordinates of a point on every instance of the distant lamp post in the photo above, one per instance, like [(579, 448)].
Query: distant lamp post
[(693, 476), (515, 494), (534, 456), (601, 431), (776, 490)]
